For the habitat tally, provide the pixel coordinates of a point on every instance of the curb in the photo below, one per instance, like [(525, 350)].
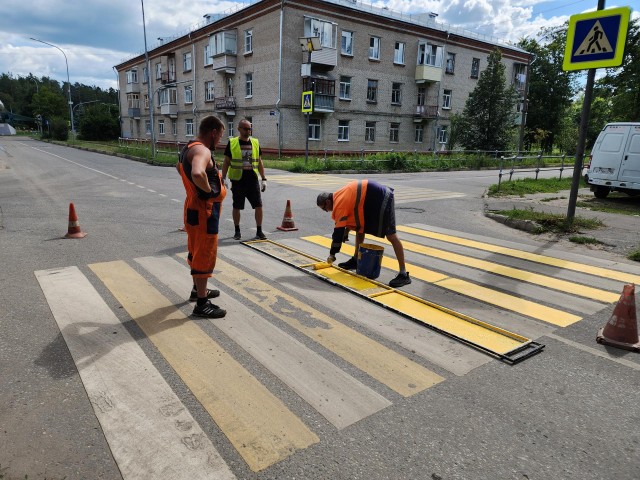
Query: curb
[(526, 225)]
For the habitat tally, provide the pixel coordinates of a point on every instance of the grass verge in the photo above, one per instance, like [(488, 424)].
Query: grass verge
[(527, 186), (634, 255), (551, 222)]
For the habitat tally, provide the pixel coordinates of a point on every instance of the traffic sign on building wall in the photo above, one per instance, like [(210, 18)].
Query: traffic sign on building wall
[(596, 39), (307, 102)]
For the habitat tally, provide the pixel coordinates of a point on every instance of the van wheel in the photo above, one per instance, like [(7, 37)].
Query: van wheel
[(601, 192)]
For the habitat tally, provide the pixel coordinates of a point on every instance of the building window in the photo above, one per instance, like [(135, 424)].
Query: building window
[(475, 68), (230, 129), (174, 127), (519, 76), (160, 127), (372, 91), (248, 41), (419, 133), (374, 48), (147, 127), (158, 71), (324, 30), (396, 93), (429, 55), (398, 53), (422, 96), (370, 132), (188, 127), (133, 100), (146, 100), (345, 88), (346, 46), (224, 43), (209, 91), (446, 100), (394, 132), (188, 94), (343, 130), (442, 134), (451, 63), (208, 59), (168, 96), (172, 69), (132, 75), (230, 87), (248, 81), (145, 75), (314, 129), (186, 61)]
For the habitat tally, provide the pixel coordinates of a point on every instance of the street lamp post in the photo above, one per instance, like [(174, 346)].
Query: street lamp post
[(73, 126), (149, 76), (39, 122)]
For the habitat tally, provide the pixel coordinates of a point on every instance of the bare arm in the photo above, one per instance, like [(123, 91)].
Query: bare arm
[(261, 168), (225, 166), (199, 162)]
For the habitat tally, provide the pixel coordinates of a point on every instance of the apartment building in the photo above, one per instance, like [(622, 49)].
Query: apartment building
[(381, 80)]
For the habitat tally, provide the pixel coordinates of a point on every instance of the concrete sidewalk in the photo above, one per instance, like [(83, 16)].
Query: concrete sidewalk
[(620, 234)]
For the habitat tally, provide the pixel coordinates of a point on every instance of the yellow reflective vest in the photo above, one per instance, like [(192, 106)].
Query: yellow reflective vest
[(235, 169)]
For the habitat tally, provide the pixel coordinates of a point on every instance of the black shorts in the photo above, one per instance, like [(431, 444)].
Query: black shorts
[(247, 187)]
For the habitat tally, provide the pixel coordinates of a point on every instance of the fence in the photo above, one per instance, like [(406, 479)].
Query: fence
[(528, 162)]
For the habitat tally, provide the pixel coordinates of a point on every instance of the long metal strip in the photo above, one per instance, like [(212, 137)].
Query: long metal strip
[(500, 343)]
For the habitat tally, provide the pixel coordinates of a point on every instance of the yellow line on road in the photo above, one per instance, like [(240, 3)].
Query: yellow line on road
[(505, 271), (487, 295), (258, 424), (388, 367), (534, 257)]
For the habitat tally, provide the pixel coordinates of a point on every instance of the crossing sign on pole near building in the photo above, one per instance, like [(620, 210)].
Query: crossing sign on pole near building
[(307, 102), (596, 39)]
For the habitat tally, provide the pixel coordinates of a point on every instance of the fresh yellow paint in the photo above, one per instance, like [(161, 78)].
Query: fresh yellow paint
[(259, 425)]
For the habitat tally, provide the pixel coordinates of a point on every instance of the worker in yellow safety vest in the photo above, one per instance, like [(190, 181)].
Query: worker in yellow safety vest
[(242, 165)]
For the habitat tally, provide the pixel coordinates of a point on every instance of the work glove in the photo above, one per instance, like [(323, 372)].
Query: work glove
[(226, 182), (263, 185), (331, 259)]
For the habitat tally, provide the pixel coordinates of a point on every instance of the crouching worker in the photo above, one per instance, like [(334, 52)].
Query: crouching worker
[(205, 192), (365, 207)]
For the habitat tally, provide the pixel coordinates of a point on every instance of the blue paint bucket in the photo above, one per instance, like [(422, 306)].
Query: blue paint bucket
[(369, 260)]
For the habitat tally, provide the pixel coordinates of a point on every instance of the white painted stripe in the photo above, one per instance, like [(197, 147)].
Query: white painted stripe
[(75, 163), (438, 349), (150, 432), (337, 396), (593, 351)]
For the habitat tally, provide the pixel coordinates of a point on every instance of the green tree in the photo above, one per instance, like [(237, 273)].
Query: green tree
[(622, 85), (99, 123), (551, 89), (487, 121), (49, 103)]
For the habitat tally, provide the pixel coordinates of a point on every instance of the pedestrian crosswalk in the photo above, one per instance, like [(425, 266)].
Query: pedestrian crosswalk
[(293, 352), (329, 183)]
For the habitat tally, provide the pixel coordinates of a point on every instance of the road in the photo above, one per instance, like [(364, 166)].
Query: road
[(105, 376)]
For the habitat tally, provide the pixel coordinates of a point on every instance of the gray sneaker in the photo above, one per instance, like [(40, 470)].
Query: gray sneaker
[(400, 281)]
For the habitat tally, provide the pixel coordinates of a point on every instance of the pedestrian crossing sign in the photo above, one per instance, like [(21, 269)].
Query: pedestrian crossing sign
[(307, 102), (596, 39)]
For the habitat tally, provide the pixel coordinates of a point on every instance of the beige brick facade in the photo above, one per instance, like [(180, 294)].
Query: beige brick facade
[(386, 121)]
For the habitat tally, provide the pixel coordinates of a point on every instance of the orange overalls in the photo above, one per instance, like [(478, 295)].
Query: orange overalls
[(201, 217)]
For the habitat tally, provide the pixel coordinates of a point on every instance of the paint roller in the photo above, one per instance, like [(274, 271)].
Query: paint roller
[(321, 265)]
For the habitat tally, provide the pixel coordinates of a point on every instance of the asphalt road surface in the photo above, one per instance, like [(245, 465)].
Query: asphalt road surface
[(104, 374)]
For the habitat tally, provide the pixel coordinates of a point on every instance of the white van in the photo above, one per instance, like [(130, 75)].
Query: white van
[(615, 160)]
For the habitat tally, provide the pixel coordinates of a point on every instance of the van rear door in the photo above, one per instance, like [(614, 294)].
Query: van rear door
[(630, 167), (608, 152)]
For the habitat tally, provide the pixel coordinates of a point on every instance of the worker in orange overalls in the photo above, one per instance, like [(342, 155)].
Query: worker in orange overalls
[(205, 193), (365, 207)]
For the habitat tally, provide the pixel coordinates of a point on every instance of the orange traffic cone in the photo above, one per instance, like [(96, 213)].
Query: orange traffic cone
[(287, 220), (74, 227), (622, 328)]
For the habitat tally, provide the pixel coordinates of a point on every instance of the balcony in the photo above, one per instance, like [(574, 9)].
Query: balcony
[(324, 92), (224, 63), (427, 111), (327, 57), (225, 104), (132, 88), (170, 109), (134, 112), (428, 74)]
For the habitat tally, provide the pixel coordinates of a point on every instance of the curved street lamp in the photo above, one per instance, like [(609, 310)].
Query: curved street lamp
[(73, 127)]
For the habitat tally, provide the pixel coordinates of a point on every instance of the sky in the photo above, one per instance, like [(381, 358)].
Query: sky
[(96, 35)]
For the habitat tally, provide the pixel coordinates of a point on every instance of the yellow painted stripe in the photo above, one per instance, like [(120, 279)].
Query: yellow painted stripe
[(487, 295), (505, 271), (388, 367), (257, 423), (534, 257)]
